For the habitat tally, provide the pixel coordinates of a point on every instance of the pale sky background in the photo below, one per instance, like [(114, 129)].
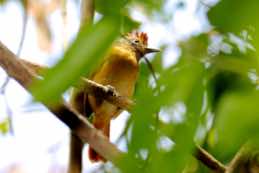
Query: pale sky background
[(38, 132)]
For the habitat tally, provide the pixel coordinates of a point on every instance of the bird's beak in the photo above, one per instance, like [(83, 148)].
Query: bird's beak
[(151, 50)]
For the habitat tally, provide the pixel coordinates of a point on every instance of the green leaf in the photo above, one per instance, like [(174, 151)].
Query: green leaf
[(80, 59), (110, 7), (128, 24), (4, 126), (237, 122), (183, 83), (234, 15), (150, 6), (114, 7), (2, 2), (192, 91)]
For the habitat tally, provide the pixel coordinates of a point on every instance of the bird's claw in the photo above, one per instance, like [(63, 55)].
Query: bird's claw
[(111, 90)]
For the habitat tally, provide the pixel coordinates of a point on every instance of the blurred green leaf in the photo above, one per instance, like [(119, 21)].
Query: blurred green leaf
[(4, 126), (184, 137), (150, 6), (194, 48), (229, 73), (110, 7), (183, 83), (114, 7), (234, 15), (157, 61), (178, 82), (224, 82), (2, 2), (238, 117), (237, 64), (128, 24), (80, 59), (117, 8)]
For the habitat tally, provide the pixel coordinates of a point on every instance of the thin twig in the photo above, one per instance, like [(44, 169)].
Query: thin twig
[(208, 160), (2, 89), (151, 70), (18, 53), (24, 28), (240, 161), (7, 79)]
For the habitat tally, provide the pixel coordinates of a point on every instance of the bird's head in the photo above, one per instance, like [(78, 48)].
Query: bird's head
[(139, 42)]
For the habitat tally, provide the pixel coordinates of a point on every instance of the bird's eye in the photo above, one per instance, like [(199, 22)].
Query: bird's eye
[(136, 41)]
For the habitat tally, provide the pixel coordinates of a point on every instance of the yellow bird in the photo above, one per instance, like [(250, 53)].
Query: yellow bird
[(119, 69)]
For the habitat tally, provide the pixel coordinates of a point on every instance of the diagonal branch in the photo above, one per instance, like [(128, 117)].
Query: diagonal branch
[(106, 92), (76, 122), (208, 160), (113, 97), (245, 160), (24, 71)]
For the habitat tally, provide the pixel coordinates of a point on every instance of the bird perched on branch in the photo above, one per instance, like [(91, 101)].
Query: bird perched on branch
[(119, 69)]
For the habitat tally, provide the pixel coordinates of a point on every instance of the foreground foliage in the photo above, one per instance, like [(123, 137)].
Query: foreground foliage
[(208, 97)]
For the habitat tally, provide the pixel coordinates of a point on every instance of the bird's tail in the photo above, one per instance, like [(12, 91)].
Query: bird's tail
[(105, 128)]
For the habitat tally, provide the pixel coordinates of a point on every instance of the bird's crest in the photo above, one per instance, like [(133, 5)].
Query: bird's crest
[(141, 36)]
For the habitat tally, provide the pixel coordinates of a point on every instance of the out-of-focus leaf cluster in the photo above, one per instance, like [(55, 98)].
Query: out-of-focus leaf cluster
[(90, 45), (209, 96), (2, 2), (81, 58), (236, 16), (150, 6), (164, 122), (112, 7)]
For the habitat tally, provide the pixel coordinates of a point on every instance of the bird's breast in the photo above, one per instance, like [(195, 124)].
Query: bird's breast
[(119, 70)]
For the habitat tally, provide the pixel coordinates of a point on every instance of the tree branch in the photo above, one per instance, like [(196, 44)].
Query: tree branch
[(76, 122), (110, 95), (208, 160), (87, 12), (33, 67), (245, 160), (106, 92)]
